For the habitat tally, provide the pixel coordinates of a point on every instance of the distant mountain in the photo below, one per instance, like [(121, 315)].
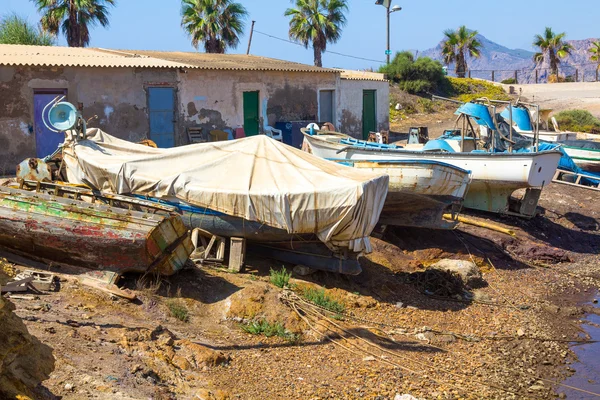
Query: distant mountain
[(505, 61)]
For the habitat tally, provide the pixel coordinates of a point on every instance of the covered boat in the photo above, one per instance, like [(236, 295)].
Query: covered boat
[(275, 191), (420, 193)]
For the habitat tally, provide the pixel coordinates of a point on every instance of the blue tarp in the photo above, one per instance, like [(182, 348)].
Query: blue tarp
[(520, 116)]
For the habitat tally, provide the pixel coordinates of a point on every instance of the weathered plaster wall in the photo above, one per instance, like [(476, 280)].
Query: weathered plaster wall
[(116, 95), (214, 99), (350, 107), (209, 99)]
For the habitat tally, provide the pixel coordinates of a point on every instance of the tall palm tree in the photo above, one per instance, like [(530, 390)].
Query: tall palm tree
[(217, 23), (457, 45), (74, 18), (15, 29), (318, 22), (553, 45), (595, 53)]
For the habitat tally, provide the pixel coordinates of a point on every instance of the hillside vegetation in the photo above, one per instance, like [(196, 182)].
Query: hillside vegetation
[(577, 121)]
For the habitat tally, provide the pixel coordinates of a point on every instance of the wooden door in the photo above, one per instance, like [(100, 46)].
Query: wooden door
[(161, 111), (251, 113), (369, 113), (46, 141)]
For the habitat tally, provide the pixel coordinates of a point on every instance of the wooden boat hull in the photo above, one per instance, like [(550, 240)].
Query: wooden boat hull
[(495, 176), (61, 230), (420, 192)]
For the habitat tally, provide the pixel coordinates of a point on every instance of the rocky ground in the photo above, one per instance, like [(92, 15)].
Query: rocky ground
[(404, 329)]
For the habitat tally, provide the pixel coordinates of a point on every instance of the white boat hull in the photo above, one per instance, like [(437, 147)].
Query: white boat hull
[(495, 176), (587, 159), (548, 136), (420, 192)]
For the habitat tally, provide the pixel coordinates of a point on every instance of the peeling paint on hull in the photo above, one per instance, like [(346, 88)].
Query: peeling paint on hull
[(65, 231)]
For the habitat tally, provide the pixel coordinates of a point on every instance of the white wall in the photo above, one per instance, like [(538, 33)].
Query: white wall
[(350, 107)]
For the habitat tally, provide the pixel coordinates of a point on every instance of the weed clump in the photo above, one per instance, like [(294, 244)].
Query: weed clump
[(280, 278), (179, 310), (264, 327), (318, 297)]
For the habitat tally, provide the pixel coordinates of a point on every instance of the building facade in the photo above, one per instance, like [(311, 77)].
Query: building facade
[(163, 96)]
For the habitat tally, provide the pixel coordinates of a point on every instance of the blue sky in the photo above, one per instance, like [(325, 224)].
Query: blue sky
[(155, 24)]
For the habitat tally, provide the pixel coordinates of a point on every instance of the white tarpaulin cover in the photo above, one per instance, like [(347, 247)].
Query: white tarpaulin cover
[(256, 178)]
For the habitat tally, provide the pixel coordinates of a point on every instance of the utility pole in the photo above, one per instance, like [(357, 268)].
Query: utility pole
[(250, 38)]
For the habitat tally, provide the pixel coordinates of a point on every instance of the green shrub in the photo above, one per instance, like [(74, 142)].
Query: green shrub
[(466, 89), (509, 81), (415, 76), (280, 278), (178, 310), (577, 121), (264, 327), (318, 297)]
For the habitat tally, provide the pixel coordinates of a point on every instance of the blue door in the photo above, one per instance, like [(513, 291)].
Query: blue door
[(46, 141), (161, 109)]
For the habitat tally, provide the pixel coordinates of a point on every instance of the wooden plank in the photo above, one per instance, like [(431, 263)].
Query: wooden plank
[(237, 252), (17, 286)]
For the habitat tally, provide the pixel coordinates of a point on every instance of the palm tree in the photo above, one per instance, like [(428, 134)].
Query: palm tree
[(554, 46), (217, 23), (318, 22), (457, 45), (595, 53), (74, 18), (17, 30)]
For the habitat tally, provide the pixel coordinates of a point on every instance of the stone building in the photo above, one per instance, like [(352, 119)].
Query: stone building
[(162, 95)]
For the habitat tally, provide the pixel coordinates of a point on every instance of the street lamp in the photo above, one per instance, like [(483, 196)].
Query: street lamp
[(387, 4)]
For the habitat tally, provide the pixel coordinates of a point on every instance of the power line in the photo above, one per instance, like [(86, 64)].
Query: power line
[(326, 51)]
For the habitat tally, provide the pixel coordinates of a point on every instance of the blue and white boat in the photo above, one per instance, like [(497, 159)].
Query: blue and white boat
[(495, 175)]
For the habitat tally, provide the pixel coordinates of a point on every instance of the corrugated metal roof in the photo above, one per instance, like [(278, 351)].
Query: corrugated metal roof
[(362, 75), (235, 62), (95, 57), (55, 56)]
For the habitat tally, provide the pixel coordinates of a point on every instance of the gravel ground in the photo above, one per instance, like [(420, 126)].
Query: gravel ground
[(507, 337)]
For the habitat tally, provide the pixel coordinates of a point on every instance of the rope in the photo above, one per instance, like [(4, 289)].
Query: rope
[(293, 299), (296, 299)]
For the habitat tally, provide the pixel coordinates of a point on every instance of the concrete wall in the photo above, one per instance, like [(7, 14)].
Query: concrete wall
[(116, 95), (214, 99), (350, 106)]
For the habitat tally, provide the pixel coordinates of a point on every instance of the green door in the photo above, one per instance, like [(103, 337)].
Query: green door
[(251, 119), (369, 118)]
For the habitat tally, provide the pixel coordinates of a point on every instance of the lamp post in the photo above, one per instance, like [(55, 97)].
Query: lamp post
[(388, 10)]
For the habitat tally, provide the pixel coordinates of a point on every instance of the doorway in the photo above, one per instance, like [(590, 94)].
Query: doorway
[(161, 112), (327, 106), (369, 116), (251, 113), (46, 141)]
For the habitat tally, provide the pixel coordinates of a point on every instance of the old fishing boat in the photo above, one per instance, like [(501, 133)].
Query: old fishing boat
[(420, 192), (52, 223), (255, 188), (495, 175)]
